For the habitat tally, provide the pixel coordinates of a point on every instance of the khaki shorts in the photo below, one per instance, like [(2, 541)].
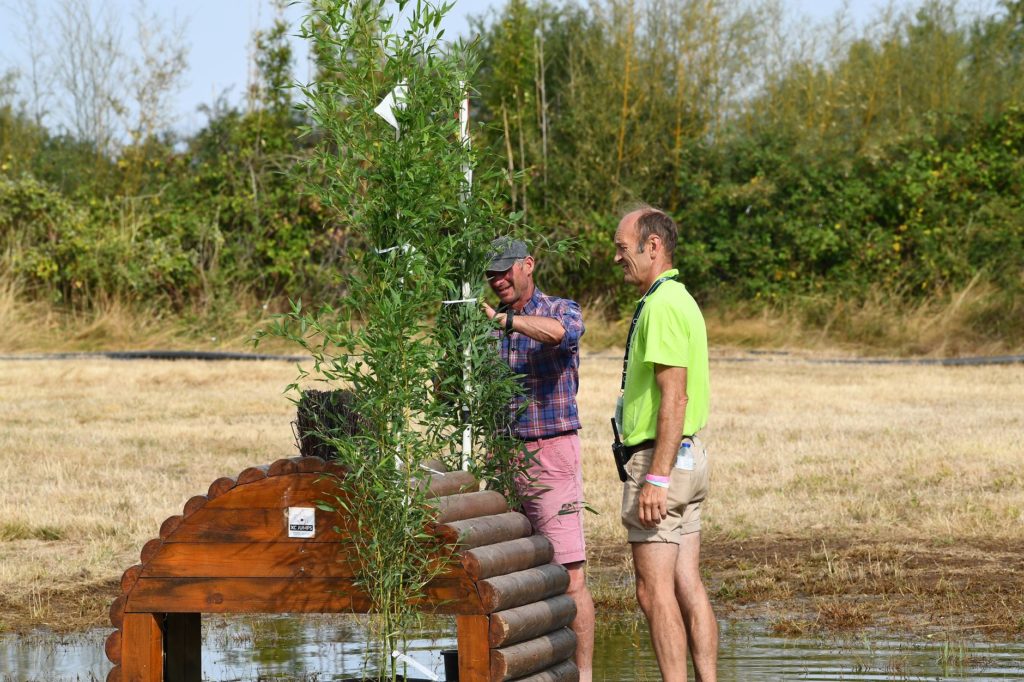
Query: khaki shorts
[(687, 489)]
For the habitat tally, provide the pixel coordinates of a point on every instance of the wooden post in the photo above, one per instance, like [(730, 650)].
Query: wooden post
[(184, 645), (474, 648), (142, 648)]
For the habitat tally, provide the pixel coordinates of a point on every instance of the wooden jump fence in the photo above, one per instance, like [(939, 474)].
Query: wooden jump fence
[(233, 550)]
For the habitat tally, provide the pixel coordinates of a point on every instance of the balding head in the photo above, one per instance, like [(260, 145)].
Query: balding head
[(651, 221), (644, 242)]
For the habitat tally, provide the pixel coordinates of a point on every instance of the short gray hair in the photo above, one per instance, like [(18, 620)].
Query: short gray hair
[(655, 221)]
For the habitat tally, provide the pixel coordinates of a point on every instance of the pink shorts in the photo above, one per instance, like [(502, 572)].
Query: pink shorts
[(553, 500)]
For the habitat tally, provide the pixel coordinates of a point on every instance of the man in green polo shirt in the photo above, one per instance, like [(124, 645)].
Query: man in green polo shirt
[(664, 403)]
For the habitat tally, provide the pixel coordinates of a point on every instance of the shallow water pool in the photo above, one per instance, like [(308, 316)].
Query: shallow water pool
[(321, 648)]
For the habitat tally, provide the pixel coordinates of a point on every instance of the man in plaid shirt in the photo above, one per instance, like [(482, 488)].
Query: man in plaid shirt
[(540, 341)]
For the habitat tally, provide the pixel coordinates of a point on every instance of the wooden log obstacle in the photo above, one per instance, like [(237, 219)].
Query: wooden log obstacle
[(233, 550)]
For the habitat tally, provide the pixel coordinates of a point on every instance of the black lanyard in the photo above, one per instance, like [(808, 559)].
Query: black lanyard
[(632, 325)]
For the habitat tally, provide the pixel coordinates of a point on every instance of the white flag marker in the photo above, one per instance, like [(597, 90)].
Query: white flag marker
[(393, 101)]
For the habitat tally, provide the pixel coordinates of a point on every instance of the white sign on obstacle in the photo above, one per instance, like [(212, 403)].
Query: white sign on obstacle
[(301, 522)]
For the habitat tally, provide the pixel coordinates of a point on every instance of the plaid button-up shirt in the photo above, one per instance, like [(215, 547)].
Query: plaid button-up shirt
[(550, 374)]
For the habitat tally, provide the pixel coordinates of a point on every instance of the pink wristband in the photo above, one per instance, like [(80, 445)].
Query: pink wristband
[(660, 481)]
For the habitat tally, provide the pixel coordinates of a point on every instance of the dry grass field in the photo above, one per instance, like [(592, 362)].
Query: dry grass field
[(842, 495)]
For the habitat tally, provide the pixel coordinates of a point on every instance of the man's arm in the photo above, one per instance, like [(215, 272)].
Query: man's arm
[(546, 330), (653, 506)]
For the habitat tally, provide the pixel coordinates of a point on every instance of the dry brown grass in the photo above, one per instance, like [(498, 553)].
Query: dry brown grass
[(883, 451), (28, 326), (977, 320), (95, 454), (829, 479)]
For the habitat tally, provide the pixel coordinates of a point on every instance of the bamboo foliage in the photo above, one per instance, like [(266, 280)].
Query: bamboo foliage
[(408, 341)]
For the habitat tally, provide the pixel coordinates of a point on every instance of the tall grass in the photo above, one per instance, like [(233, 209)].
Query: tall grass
[(29, 325), (977, 320)]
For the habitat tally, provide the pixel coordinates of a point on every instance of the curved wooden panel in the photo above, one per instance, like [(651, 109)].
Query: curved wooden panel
[(271, 559), (445, 595), (276, 492), (230, 551), (254, 526)]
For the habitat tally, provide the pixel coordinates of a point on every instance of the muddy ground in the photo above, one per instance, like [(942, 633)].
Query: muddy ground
[(804, 586), (800, 586)]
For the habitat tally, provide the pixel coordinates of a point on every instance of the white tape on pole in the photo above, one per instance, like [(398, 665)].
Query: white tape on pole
[(467, 171)]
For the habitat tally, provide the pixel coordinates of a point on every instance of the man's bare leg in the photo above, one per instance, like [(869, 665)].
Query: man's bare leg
[(583, 626), (698, 616), (655, 564)]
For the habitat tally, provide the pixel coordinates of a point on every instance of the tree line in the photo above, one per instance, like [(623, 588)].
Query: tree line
[(801, 165)]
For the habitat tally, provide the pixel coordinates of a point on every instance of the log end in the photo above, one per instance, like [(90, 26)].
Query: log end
[(335, 469), (309, 465), (194, 504), (252, 474), (283, 467), (117, 611), (112, 647), (130, 577), (149, 550), (170, 524), (220, 486)]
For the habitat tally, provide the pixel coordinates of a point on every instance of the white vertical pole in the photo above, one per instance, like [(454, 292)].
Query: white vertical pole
[(467, 432)]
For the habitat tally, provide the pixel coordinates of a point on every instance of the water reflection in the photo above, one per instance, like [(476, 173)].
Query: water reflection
[(322, 648), (312, 649)]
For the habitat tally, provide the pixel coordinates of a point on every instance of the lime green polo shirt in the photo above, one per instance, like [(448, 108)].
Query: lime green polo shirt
[(670, 332)]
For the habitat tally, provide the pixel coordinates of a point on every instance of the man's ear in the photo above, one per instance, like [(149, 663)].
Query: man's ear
[(528, 265), (655, 246)]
